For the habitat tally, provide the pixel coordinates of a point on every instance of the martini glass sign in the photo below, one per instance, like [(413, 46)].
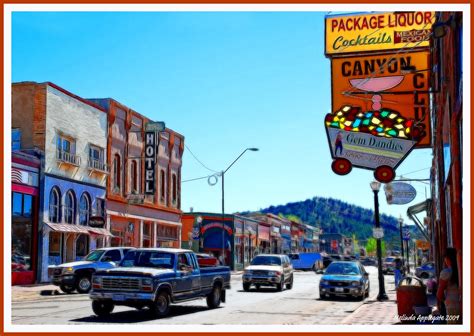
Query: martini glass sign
[(377, 84)]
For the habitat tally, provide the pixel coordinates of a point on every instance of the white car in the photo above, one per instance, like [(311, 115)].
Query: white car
[(269, 270)]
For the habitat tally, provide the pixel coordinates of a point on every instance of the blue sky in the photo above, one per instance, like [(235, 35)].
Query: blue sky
[(226, 81)]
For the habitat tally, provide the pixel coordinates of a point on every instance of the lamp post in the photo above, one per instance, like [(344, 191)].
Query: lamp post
[(223, 213), (375, 188), (400, 222)]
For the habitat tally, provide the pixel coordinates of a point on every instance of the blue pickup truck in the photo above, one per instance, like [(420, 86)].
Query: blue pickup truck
[(155, 278)]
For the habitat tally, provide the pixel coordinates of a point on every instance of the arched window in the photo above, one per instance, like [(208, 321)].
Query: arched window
[(84, 209), (117, 171), (134, 176), (162, 185), (54, 205), (69, 208)]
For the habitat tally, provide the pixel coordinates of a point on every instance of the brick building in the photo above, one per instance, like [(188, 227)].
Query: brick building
[(156, 220)]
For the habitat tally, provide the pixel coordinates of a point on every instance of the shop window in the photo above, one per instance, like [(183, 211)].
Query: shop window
[(55, 248), (84, 209), (82, 246), (22, 231), (54, 205), (117, 173), (69, 208)]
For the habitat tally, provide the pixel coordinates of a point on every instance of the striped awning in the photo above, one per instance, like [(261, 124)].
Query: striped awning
[(68, 228), (99, 231), (78, 229)]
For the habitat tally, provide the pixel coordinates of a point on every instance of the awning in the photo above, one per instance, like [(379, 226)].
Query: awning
[(68, 228), (101, 232), (417, 208)]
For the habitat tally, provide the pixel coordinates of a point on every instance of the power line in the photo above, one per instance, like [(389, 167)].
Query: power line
[(416, 171), (195, 179), (202, 164)]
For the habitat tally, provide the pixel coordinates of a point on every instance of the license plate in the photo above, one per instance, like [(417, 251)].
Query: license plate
[(339, 289), (118, 297)]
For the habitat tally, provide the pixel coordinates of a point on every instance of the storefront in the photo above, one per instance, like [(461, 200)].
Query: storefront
[(245, 241), (25, 183), (263, 238)]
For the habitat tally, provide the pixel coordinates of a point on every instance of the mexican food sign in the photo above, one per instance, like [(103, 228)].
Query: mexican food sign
[(397, 82), (377, 32)]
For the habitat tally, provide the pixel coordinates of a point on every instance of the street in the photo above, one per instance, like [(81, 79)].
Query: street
[(300, 305)]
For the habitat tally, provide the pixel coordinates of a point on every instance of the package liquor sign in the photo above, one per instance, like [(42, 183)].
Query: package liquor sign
[(150, 160), (357, 33)]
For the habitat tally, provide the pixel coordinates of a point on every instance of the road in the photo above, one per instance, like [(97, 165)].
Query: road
[(300, 305)]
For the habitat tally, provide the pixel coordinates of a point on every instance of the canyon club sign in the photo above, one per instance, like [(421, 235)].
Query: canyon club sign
[(378, 31), (394, 81)]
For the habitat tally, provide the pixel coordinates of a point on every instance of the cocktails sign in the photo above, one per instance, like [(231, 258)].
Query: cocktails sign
[(377, 31)]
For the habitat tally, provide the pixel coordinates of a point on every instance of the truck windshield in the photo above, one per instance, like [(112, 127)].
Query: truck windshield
[(266, 260), (153, 259), (94, 255)]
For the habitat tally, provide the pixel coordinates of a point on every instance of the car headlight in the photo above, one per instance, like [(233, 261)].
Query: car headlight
[(355, 283), (247, 272), (67, 270), (273, 273), (96, 279), (146, 282), (324, 282)]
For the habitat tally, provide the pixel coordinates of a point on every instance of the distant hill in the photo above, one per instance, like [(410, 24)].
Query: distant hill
[(335, 216)]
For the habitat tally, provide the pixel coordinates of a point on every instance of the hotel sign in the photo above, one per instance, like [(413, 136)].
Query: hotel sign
[(378, 32), (150, 160)]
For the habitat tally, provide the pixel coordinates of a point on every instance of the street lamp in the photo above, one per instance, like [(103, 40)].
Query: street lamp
[(375, 188), (223, 213), (400, 223)]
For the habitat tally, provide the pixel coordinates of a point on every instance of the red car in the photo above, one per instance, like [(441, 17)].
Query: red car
[(205, 260)]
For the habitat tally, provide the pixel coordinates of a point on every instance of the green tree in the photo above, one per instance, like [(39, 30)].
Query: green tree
[(371, 246)]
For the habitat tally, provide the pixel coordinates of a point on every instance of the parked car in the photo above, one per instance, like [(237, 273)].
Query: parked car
[(368, 261), (306, 261), (326, 261), (426, 271), (347, 278), (77, 275), (388, 265), (269, 270), (156, 278), (205, 260), (336, 257)]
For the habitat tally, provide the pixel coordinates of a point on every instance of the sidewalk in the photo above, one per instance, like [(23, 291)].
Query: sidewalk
[(383, 312), (375, 312)]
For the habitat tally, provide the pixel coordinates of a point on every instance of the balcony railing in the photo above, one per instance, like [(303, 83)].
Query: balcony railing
[(97, 166), (67, 157)]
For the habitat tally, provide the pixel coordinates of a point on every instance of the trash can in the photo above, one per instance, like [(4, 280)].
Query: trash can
[(411, 292)]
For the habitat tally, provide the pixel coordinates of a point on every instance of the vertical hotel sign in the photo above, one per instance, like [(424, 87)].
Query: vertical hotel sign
[(377, 32), (150, 160)]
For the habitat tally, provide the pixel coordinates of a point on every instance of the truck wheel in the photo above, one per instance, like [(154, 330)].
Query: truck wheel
[(161, 306), (102, 308), (289, 285), (67, 289), (214, 299), (83, 284), (246, 287)]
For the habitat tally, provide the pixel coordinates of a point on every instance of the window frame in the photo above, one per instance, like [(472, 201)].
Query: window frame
[(57, 206), (70, 211), (85, 196)]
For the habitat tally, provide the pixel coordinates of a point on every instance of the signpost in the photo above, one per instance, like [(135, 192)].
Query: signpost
[(96, 221), (399, 193), (135, 199), (155, 126), (406, 233)]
